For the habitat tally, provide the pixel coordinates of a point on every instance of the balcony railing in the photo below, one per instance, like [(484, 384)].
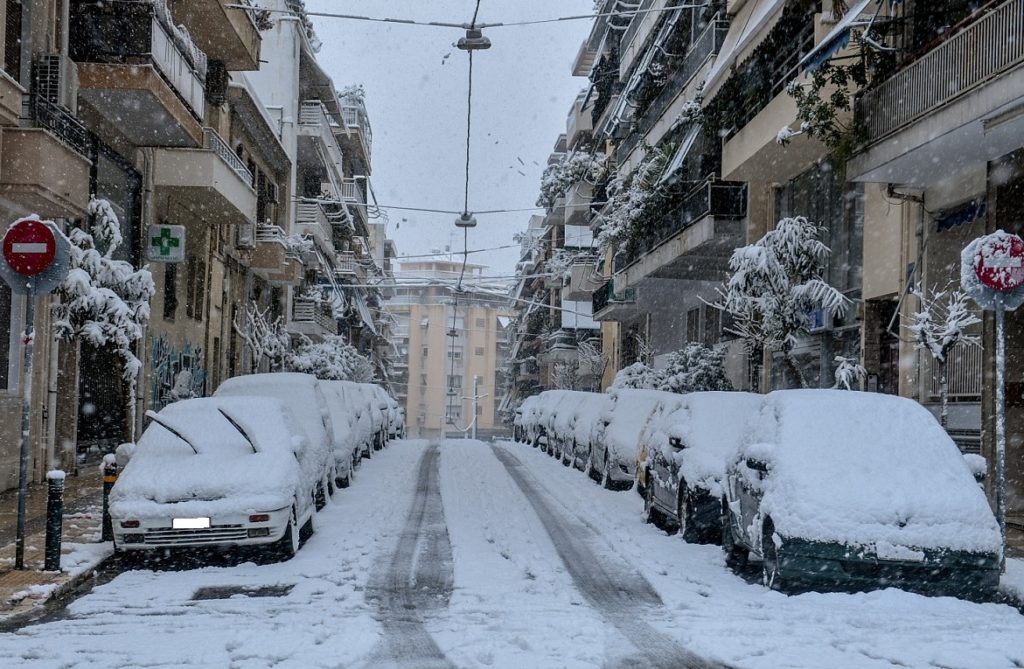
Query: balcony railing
[(311, 215), (963, 373), (634, 26), (270, 233), (350, 191), (355, 117), (346, 264), (968, 59), (309, 311), (313, 112), (606, 295), (61, 123), (213, 142), (140, 33)]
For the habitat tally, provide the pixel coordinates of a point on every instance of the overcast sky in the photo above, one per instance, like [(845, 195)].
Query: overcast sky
[(415, 84)]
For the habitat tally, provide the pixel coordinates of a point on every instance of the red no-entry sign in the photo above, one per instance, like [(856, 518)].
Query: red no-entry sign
[(999, 262), (29, 247)]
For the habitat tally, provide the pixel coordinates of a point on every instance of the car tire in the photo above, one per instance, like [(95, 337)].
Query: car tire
[(686, 525), (287, 546), (770, 575), (343, 481), (320, 496), (568, 454), (651, 515), (736, 556), (606, 476)]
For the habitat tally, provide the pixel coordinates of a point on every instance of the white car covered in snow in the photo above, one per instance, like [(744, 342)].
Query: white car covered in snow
[(613, 457), (853, 489), (217, 472), (689, 441), (561, 418), (301, 394), (348, 447), (525, 422)]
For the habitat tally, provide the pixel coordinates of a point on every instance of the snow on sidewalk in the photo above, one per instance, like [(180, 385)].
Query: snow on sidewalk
[(713, 611)]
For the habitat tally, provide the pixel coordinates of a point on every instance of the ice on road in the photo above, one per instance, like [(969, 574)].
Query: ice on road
[(466, 554)]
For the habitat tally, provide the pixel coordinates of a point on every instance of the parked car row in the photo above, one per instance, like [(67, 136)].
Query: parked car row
[(826, 488), (250, 466)]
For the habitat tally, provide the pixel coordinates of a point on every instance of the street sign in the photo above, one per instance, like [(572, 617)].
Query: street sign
[(999, 262), (36, 256), (165, 243), (29, 246)]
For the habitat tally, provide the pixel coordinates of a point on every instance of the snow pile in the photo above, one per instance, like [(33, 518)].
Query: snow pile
[(860, 468), (710, 425), (223, 474)]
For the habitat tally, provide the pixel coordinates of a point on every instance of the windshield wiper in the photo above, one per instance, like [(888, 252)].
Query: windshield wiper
[(152, 415), (238, 427)]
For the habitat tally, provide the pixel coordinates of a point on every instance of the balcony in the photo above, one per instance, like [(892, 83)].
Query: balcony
[(272, 258), (353, 194), (312, 221), (42, 173), (580, 123), (609, 304), (583, 281), (139, 72), (577, 204), (559, 346), (958, 104), (211, 183), (358, 142), (311, 318), (11, 96), (318, 142), (224, 33), (347, 266)]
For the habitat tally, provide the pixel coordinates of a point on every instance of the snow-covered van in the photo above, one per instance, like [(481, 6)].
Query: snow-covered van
[(217, 472), (301, 394), (689, 440), (858, 489)]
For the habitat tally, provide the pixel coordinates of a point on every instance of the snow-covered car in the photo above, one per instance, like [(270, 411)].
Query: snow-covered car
[(586, 425), (854, 489), (358, 400), (302, 395), (690, 440), (348, 450), (526, 417), (561, 421), (384, 402), (396, 419), (217, 472), (614, 453)]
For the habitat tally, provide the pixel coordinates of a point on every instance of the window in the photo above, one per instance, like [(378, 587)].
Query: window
[(426, 351), (170, 290), (481, 323), (453, 412), (479, 409), (5, 333), (195, 289), (457, 355), (479, 350), (454, 381), (693, 324), (712, 326)]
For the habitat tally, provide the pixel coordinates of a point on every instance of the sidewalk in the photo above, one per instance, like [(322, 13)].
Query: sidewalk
[(81, 551)]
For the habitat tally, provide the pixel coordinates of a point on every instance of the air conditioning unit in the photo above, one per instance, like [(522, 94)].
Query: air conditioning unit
[(55, 79), (245, 235)]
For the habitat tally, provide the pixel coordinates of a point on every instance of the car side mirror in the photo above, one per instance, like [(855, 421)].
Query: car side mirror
[(676, 443), (979, 477), (757, 465)]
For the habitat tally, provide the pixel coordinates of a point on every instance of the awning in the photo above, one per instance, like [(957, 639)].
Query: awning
[(680, 155), (750, 25), (963, 215), (364, 312), (839, 36), (645, 62)]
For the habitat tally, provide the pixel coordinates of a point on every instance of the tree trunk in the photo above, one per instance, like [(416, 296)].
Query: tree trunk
[(795, 369), (944, 394)]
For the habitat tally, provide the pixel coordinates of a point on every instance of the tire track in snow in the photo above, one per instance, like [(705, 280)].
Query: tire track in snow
[(614, 588), (418, 580)]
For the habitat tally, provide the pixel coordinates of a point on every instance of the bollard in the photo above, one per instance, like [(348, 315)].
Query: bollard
[(54, 518), (109, 468)]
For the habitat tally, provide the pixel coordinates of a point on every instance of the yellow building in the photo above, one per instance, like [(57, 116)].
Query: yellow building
[(449, 349)]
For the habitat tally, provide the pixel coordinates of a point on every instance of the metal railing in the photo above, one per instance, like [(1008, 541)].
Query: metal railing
[(606, 296), (963, 373), (313, 112), (311, 215), (309, 311), (634, 26), (350, 191), (356, 117), (989, 46), (269, 233), (61, 124), (346, 264), (720, 199), (213, 142)]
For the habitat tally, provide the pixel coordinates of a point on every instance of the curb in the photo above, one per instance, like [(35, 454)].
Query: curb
[(56, 600)]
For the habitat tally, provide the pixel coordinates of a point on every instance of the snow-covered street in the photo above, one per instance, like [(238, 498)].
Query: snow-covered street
[(471, 554)]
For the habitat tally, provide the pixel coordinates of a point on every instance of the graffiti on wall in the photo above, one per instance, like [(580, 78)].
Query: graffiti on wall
[(177, 375)]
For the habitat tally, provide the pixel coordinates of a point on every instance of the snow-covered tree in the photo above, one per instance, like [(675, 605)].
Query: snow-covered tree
[(938, 327), (332, 359), (694, 368), (637, 375), (265, 337), (632, 196), (104, 301), (565, 376), (849, 373), (572, 169), (775, 285)]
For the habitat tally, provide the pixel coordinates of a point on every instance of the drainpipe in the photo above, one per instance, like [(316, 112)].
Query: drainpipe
[(148, 217)]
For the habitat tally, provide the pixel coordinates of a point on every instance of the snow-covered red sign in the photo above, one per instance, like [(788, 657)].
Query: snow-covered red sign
[(992, 270), (999, 262), (29, 247)]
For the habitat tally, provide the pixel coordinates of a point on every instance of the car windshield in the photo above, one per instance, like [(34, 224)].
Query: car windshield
[(512, 333)]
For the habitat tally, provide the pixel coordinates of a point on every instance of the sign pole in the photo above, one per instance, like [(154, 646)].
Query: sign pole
[(26, 403), (1000, 309)]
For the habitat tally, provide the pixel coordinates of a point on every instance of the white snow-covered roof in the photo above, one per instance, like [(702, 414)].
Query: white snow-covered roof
[(865, 468)]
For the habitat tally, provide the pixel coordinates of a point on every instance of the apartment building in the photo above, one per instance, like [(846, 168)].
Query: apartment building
[(207, 122), (448, 350)]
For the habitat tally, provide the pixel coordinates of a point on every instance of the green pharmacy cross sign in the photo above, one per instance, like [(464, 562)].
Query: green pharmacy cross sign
[(165, 243)]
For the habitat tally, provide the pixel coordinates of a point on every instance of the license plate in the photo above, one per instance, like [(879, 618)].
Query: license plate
[(190, 523)]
